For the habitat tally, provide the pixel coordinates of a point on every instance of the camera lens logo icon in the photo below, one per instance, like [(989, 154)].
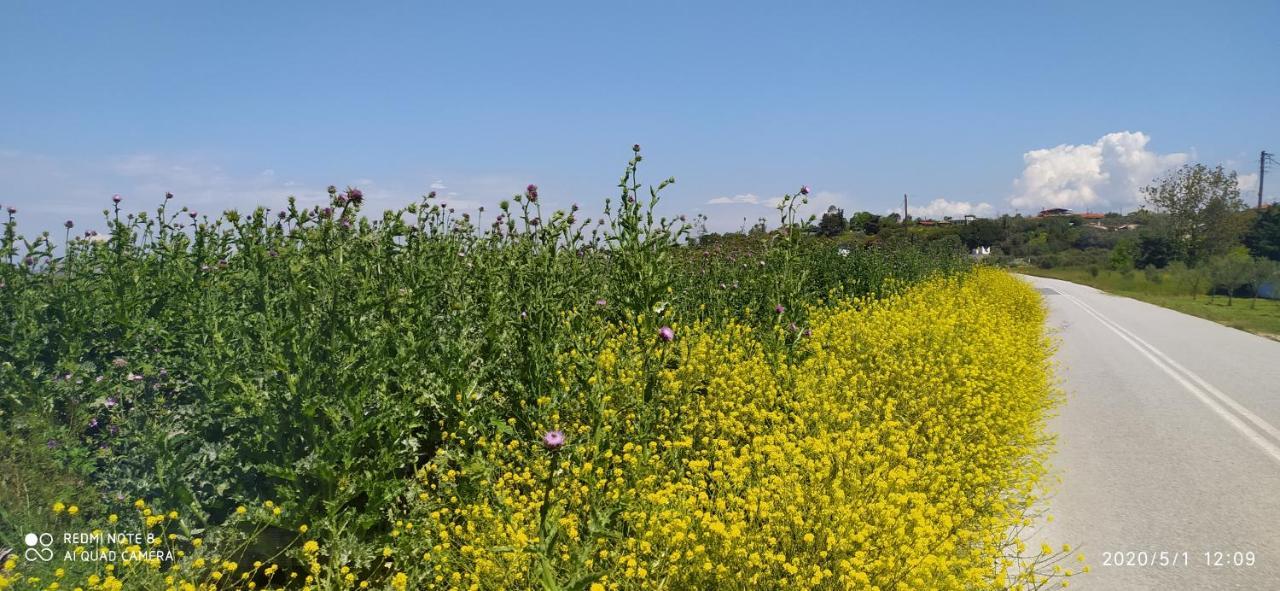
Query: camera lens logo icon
[(39, 547)]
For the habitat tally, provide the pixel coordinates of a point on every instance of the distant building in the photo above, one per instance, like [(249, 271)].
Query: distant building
[(1093, 216), (1054, 212)]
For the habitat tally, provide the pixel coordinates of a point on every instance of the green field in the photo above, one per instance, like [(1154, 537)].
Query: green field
[(1174, 291)]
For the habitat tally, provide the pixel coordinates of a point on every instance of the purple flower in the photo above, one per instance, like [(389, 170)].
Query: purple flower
[(779, 309), (355, 196), (635, 148), (553, 440), (93, 423), (601, 302), (11, 209), (52, 444), (280, 215), (168, 195), (532, 193), (666, 334), (115, 198), (133, 377), (69, 224), (110, 402), (808, 332), (328, 211), (193, 213), (804, 190)]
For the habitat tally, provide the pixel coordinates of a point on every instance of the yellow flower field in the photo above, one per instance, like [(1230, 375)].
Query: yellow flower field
[(895, 448)]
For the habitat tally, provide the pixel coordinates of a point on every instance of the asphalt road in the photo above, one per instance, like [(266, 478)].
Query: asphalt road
[(1168, 441)]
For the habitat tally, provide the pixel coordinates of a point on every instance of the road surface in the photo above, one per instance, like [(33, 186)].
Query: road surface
[(1168, 441)]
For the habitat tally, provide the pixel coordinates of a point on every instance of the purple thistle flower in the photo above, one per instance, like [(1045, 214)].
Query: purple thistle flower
[(804, 190), (355, 196), (280, 215), (110, 402), (779, 309), (168, 195), (69, 224), (635, 148), (666, 334), (52, 444), (115, 198), (93, 423), (601, 302), (193, 213), (808, 332), (532, 193), (553, 440), (11, 209)]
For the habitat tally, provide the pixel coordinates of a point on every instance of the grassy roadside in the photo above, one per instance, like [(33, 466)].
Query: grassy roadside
[(1261, 317)]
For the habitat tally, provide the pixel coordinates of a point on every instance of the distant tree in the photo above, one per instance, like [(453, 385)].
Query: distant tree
[(1261, 272), (1124, 255), (866, 222), (1203, 205), (1263, 237), (1155, 250), (1231, 271), (981, 232), (892, 220), (832, 222)]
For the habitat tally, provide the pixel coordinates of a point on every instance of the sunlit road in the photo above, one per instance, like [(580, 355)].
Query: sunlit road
[(1168, 442)]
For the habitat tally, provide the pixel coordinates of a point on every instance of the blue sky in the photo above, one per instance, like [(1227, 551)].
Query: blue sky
[(988, 107)]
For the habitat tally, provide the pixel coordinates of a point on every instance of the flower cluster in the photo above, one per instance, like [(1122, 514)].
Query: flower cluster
[(897, 449)]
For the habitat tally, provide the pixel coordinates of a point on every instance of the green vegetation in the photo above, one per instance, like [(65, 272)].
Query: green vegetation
[(1198, 249), (312, 393), (1172, 288)]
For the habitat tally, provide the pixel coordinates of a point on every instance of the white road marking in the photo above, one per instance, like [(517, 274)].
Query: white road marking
[(1193, 383)]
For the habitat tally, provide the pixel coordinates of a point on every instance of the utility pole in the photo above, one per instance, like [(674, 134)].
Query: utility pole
[(904, 207), (1262, 173)]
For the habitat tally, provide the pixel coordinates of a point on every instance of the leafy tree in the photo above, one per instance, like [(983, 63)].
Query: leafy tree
[(832, 222), (1203, 206), (865, 221), (1155, 250), (981, 232), (1261, 272), (1231, 271), (1123, 255), (1263, 238)]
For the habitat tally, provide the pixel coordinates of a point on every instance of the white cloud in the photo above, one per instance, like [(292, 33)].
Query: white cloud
[(1106, 174), (1248, 184), (941, 208), (438, 185), (747, 198)]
